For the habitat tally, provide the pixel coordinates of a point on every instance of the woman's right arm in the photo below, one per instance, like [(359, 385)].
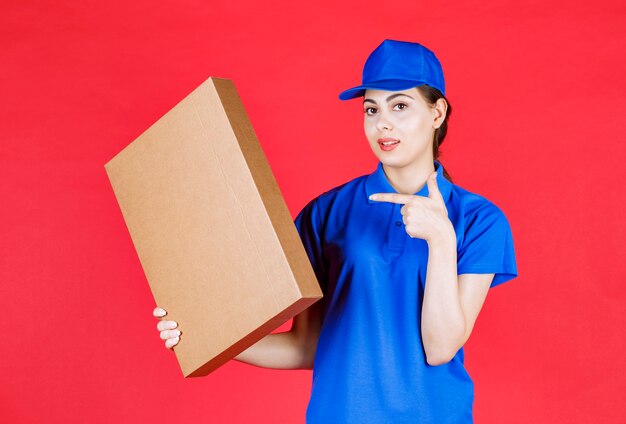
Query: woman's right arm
[(294, 349)]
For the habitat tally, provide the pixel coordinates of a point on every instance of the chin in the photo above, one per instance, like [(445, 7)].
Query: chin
[(394, 162), (395, 158)]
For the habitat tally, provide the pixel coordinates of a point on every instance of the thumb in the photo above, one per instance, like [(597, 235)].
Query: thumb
[(433, 189)]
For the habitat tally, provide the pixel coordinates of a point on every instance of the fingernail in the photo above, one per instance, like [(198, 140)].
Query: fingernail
[(373, 197)]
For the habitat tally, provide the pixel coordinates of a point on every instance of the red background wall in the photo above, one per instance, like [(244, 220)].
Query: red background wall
[(538, 127)]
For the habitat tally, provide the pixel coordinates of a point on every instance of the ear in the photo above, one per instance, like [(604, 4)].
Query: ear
[(439, 110)]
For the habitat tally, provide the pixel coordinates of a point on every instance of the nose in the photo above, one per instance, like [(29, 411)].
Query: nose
[(383, 123)]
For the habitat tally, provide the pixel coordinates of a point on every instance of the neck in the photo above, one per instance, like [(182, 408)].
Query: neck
[(411, 178)]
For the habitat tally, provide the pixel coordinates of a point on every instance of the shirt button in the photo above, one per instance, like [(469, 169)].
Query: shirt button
[(398, 223)]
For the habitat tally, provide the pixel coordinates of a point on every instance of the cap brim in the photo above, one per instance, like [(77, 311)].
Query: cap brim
[(389, 85)]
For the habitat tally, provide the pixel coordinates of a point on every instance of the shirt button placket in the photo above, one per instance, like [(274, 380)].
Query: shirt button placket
[(397, 234)]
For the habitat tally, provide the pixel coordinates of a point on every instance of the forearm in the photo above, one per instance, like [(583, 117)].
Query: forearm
[(276, 350), (443, 321)]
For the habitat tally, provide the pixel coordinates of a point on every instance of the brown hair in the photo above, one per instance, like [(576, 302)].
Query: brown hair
[(431, 95)]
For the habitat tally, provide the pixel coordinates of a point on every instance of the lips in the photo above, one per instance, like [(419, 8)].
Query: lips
[(388, 141), (388, 144)]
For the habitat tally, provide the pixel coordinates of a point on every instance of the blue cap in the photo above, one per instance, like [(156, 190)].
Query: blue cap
[(399, 65)]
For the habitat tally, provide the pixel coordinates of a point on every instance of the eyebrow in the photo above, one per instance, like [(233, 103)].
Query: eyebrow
[(393, 96)]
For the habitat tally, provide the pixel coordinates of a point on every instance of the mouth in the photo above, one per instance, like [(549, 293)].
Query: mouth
[(388, 141), (388, 144)]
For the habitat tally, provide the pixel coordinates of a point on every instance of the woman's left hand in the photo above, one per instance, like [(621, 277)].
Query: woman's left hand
[(424, 217)]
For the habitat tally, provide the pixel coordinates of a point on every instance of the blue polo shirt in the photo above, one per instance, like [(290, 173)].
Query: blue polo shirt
[(370, 365)]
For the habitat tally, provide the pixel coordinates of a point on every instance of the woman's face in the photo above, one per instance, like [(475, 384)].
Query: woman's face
[(404, 119)]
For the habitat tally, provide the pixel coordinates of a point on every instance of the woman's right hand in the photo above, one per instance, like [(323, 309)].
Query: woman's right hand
[(167, 328)]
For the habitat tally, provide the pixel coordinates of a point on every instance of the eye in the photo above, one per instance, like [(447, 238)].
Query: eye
[(401, 104), (367, 109)]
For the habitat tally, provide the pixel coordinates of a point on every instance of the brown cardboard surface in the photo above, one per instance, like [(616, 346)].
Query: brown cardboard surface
[(212, 231)]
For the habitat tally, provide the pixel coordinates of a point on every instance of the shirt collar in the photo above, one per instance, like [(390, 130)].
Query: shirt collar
[(377, 182)]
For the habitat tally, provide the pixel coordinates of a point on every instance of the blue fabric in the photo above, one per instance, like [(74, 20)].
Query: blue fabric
[(398, 65), (370, 365)]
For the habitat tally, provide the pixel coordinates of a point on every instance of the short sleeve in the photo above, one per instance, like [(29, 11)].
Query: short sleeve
[(309, 224), (487, 246)]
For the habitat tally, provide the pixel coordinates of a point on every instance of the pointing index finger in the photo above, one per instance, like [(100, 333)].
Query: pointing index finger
[(392, 197)]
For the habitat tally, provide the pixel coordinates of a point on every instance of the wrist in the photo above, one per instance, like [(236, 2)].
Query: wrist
[(444, 236)]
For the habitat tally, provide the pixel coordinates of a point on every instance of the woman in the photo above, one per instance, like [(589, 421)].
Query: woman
[(405, 259)]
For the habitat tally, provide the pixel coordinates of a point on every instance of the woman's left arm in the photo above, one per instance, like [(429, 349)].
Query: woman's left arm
[(451, 303)]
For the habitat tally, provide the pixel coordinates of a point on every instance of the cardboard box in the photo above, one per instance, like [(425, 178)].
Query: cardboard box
[(212, 231)]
